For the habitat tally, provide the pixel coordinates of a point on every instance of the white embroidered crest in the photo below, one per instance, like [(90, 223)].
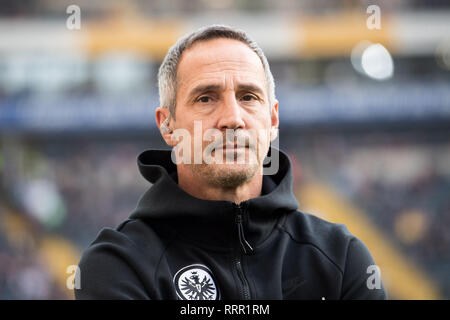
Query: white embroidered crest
[(196, 282)]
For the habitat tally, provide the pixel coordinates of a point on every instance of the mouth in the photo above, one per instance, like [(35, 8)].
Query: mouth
[(232, 147), (235, 146)]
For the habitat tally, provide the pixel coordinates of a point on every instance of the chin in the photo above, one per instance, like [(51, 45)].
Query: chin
[(227, 176), (240, 168), (234, 175)]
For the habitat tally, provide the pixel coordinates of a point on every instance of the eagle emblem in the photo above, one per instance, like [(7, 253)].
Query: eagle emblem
[(196, 282)]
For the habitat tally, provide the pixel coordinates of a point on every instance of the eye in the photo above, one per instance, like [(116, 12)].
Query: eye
[(248, 97), (204, 99)]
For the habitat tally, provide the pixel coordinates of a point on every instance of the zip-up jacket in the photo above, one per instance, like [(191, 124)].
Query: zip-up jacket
[(176, 246)]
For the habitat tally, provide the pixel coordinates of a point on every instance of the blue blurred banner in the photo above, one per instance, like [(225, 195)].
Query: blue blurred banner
[(299, 106)]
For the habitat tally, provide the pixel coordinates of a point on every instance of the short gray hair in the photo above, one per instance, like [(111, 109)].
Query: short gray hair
[(167, 75)]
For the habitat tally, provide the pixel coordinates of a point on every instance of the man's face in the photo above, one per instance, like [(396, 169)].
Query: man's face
[(222, 86)]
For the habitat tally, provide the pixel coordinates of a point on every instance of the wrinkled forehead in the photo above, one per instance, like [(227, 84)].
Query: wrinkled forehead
[(214, 57)]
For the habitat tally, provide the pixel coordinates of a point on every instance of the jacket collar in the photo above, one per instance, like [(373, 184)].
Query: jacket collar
[(211, 223)]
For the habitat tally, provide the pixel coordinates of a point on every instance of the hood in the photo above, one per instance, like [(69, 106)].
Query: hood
[(211, 223)]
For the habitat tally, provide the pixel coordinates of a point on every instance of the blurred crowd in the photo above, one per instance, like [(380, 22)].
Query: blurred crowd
[(72, 190), (401, 181)]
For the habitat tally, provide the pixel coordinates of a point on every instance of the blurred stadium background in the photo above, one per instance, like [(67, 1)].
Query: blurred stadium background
[(365, 117)]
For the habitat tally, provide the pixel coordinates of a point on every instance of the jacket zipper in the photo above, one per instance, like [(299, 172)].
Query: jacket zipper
[(245, 248), (245, 286)]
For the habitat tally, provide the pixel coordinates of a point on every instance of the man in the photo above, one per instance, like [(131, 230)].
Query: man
[(220, 228)]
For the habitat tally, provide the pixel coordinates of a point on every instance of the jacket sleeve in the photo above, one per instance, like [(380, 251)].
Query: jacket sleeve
[(107, 273), (362, 278)]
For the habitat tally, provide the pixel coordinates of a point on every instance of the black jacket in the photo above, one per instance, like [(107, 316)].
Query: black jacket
[(175, 246)]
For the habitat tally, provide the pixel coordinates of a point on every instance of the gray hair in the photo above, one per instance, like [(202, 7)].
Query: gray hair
[(167, 75)]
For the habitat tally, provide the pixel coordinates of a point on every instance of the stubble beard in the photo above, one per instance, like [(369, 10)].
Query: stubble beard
[(227, 176)]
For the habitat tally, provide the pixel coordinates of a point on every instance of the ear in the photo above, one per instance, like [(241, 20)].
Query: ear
[(164, 123), (274, 121)]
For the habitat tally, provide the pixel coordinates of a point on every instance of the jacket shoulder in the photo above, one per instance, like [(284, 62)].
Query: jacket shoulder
[(111, 267), (132, 235), (331, 239), (348, 253)]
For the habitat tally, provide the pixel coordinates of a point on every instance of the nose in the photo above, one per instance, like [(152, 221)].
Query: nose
[(230, 114)]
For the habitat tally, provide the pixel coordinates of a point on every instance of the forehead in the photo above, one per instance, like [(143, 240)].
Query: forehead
[(217, 57)]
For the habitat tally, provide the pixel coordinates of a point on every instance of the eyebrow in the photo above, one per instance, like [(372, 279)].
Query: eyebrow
[(216, 87), (204, 88)]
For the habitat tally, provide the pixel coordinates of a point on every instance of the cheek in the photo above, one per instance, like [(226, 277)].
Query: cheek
[(262, 119), (263, 127)]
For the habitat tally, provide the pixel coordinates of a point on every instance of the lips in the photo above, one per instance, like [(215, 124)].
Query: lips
[(232, 147)]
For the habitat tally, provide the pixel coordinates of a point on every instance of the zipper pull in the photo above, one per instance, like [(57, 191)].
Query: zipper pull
[(246, 247)]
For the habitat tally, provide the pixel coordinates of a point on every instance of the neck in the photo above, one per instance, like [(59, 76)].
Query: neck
[(202, 189)]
